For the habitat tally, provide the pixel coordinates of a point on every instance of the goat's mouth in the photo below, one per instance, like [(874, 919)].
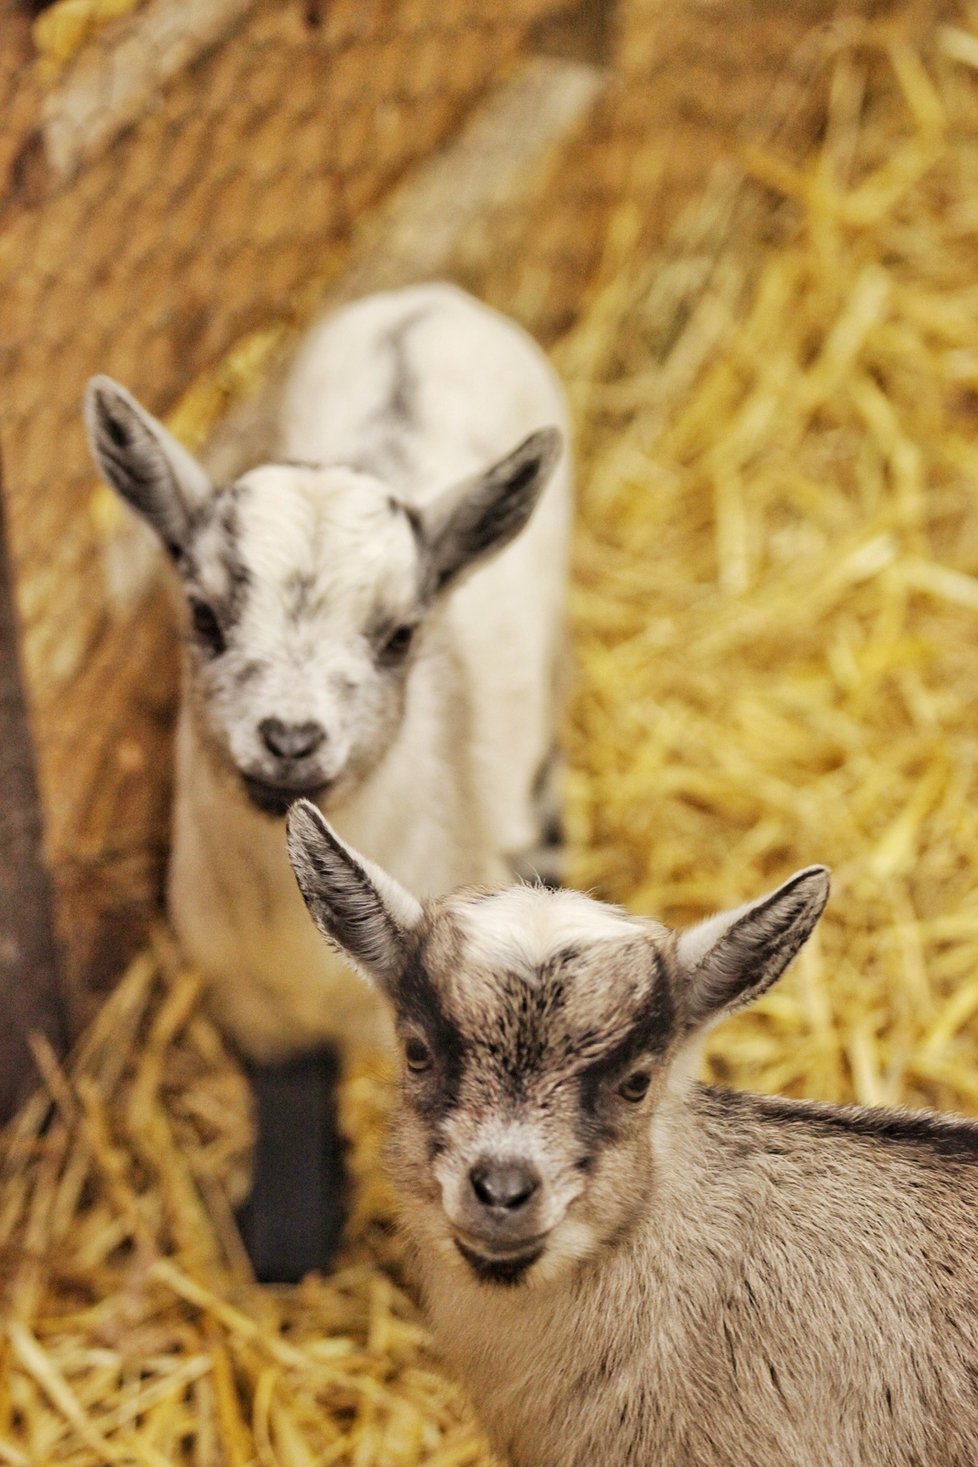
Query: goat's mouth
[(277, 799), (502, 1265)]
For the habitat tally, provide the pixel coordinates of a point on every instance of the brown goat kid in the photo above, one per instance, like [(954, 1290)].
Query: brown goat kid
[(630, 1269)]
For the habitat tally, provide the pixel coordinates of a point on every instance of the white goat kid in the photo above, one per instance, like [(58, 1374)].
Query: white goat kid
[(627, 1268), (337, 648)]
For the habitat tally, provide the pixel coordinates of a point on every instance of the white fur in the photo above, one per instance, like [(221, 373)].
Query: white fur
[(450, 799), (522, 926)]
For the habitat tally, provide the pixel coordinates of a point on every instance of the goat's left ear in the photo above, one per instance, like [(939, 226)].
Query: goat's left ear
[(731, 959), (476, 518), (356, 906)]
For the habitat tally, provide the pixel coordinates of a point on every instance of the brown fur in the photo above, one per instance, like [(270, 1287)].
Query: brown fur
[(701, 1278)]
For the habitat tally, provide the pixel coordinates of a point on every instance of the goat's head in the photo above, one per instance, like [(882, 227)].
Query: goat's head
[(541, 1032), (308, 589)]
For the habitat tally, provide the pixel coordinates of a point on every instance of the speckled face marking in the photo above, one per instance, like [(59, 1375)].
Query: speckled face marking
[(540, 1033), (307, 690), (545, 1019), (308, 587)]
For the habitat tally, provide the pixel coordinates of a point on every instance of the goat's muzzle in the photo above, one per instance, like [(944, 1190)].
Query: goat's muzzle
[(498, 1226)]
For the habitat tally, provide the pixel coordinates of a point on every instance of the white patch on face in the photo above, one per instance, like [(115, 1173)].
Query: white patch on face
[(327, 562), (522, 927), (571, 1241)]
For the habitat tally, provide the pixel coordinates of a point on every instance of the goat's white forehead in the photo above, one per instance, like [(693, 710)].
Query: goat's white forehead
[(590, 968), (336, 525), (523, 927)]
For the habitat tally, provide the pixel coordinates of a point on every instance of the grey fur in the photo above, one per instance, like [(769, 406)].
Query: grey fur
[(401, 403), (393, 426), (701, 1277), (342, 898), (475, 519), (144, 462)]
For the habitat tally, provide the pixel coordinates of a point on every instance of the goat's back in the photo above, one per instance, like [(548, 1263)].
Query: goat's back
[(424, 386)]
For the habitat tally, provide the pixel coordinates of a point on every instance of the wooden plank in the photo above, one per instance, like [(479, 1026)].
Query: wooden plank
[(114, 80), (30, 990)]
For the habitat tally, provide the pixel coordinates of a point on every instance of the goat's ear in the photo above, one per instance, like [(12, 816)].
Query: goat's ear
[(356, 906), (476, 518), (144, 462), (730, 959)]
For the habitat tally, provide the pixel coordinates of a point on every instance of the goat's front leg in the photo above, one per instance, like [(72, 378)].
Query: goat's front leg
[(292, 1221)]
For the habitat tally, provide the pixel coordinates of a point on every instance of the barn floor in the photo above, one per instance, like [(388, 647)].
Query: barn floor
[(774, 367)]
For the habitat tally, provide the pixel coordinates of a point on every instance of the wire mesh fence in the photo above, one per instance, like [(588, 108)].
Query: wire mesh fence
[(171, 182), (178, 187), (773, 602)]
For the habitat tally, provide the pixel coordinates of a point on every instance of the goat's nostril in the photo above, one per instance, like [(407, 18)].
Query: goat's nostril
[(506, 1185), (291, 740)]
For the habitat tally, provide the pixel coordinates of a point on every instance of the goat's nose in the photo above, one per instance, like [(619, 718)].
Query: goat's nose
[(291, 740), (505, 1186)]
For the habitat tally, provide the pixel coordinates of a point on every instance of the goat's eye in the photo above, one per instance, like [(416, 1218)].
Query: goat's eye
[(636, 1087), (397, 645), (417, 1055), (206, 626)]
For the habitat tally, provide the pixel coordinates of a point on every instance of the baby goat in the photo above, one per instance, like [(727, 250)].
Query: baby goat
[(625, 1267), (338, 647)]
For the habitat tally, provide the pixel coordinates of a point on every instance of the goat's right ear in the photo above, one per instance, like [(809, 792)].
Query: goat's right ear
[(144, 462), (356, 906)]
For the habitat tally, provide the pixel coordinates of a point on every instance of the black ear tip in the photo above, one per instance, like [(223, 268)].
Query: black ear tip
[(530, 465), (308, 835), (108, 410), (101, 392), (816, 882), (302, 821), (545, 446)]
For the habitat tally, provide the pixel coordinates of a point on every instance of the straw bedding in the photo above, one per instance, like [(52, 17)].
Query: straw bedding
[(775, 610), (775, 599)]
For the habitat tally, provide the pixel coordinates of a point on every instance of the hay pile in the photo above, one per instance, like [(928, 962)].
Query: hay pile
[(134, 1333), (775, 602), (776, 623)]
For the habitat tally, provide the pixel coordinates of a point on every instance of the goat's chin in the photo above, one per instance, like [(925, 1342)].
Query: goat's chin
[(540, 1262), (569, 1245), (274, 797), (275, 800), (505, 1269)]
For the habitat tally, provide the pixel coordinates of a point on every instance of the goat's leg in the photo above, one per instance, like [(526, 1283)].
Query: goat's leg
[(293, 1218), (546, 859)]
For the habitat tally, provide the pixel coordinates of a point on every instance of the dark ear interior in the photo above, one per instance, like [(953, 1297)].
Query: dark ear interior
[(480, 516), (730, 960), (144, 462), (356, 906)]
